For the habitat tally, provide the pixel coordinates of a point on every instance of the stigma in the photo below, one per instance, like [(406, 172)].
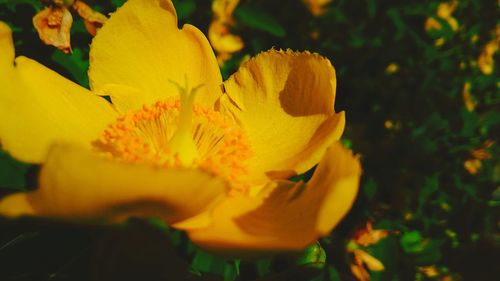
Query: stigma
[(182, 143)]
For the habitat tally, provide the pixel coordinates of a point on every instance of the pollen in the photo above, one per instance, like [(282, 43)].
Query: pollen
[(157, 135)]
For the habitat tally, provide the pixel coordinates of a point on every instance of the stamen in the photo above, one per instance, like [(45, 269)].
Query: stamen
[(179, 133)]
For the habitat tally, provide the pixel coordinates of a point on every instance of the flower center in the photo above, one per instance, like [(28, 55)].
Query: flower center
[(179, 133)]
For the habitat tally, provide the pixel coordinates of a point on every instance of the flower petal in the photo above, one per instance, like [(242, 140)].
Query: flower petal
[(284, 101), (38, 106), (79, 185), (125, 99), (287, 216), (53, 25), (222, 40), (141, 47), (93, 20)]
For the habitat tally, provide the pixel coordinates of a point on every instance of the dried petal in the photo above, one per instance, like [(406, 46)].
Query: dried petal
[(53, 25), (367, 236), (93, 20)]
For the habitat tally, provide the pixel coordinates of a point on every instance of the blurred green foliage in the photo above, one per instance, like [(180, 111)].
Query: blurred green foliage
[(406, 117)]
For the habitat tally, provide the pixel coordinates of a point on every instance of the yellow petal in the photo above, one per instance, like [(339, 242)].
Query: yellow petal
[(223, 9), (38, 107), (125, 99), (432, 24), (6, 48), (222, 40), (141, 47), (79, 185), (284, 101), (445, 9), (370, 261), (453, 23), (53, 25), (286, 215)]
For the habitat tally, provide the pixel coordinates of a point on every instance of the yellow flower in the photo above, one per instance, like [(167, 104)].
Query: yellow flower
[(92, 19), (316, 7), (219, 33), (486, 61), (392, 68), (53, 23), (429, 271), (368, 236), (473, 165), (431, 23), (362, 260), (214, 163), (469, 102), (444, 11)]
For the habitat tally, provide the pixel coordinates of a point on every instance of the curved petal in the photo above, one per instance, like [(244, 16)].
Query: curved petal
[(38, 107), (79, 185), (124, 98), (222, 40), (284, 101), (53, 25), (286, 216), (140, 46)]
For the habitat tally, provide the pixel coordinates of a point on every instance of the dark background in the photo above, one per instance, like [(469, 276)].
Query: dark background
[(410, 126)]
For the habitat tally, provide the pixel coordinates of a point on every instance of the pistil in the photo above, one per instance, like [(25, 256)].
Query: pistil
[(182, 145)]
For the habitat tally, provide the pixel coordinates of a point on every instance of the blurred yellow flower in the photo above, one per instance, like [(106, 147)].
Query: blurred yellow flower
[(429, 271), (219, 31), (444, 12), (486, 62), (53, 23), (93, 20), (317, 7), (392, 68), (362, 260), (214, 162), (368, 236), (431, 23), (469, 101), (473, 165)]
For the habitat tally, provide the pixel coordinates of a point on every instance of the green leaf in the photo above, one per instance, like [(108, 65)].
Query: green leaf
[(401, 27), (430, 186), (184, 8), (11, 4), (259, 20), (232, 271), (369, 189), (75, 63), (333, 274), (118, 3), (314, 256), (264, 266), (12, 173), (412, 242), (371, 6), (207, 263)]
